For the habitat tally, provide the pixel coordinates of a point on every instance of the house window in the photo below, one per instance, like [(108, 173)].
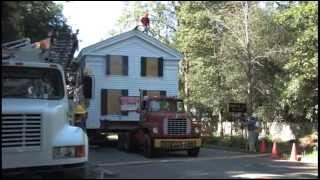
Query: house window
[(110, 101), (116, 65), (151, 67), (153, 93)]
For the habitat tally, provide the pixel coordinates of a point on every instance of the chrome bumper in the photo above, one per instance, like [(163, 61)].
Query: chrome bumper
[(176, 144)]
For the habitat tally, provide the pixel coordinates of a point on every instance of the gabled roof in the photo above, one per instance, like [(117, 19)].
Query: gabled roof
[(123, 36)]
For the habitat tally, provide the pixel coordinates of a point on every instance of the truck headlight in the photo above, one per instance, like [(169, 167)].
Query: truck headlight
[(155, 130), (68, 152)]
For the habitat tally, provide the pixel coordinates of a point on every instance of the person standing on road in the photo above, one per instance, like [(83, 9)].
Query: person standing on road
[(80, 117), (253, 132)]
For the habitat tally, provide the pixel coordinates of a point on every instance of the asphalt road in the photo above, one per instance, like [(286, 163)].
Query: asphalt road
[(211, 163), (107, 162)]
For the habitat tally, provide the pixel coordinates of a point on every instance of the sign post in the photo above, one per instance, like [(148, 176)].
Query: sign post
[(236, 108)]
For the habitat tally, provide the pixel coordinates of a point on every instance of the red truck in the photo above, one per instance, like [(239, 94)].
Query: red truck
[(163, 126)]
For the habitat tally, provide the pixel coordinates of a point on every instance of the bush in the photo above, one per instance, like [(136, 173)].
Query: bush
[(235, 142), (239, 143)]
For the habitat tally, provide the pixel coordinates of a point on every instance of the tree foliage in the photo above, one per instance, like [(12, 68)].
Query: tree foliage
[(300, 94), (238, 51), (161, 15), (274, 56), (33, 19)]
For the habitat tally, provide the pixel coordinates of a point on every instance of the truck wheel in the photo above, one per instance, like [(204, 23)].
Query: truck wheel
[(147, 147), (193, 152)]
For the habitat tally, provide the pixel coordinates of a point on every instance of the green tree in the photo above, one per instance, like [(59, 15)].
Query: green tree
[(204, 86), (33, 19), (234, 51), (300, 95), (161, 15)]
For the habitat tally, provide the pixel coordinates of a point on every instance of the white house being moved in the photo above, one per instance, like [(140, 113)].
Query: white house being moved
[(120, 66)]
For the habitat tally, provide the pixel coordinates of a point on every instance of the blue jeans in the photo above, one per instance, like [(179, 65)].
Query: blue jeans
[(252, 139)]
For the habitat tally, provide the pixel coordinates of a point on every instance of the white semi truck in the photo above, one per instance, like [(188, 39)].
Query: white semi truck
[(36, 128)]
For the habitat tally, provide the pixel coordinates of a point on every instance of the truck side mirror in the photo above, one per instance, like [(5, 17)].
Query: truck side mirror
[(87, 87), (143, 106)]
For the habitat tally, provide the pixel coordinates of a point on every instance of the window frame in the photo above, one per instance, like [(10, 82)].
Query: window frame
[(143, 67), (104, 101), (124, 65)]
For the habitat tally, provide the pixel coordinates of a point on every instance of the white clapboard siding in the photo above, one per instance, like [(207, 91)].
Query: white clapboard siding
[(135, 46)]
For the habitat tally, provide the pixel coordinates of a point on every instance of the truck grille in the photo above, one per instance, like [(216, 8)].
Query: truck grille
[(21, 130), (178, 127)]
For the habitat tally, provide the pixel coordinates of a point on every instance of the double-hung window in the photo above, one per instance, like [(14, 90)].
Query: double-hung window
[(116, 65), (153, 93), (110, 101), (151, 67)]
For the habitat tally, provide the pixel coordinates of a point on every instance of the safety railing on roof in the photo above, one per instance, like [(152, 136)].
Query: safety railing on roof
[(16, 44)]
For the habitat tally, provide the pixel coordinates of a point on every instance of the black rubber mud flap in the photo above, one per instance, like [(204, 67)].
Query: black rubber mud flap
[(193, 152), (148, 150)]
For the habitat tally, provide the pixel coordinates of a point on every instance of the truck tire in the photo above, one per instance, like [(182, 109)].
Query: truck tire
[(148, 150), (193, 152)]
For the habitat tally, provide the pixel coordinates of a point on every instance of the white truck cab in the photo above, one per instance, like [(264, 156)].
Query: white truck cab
[(35, 127)]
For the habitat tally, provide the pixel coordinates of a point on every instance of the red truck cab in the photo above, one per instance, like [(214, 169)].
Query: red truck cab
[(163, 125)]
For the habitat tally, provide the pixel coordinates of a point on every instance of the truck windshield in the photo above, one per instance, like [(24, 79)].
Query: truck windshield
[(30, 82), (166, 105)]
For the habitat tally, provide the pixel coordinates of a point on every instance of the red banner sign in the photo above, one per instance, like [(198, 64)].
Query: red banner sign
[(129, 103)]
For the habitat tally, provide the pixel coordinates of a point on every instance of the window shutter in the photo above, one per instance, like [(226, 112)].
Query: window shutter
[(108, 64), (143, 66), (87, 86), (124, 92), (160, 67), (124, 65), (104, 95), (163, 93)]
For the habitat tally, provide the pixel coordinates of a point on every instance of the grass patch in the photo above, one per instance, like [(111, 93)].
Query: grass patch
[(231, 143), (238, 143), (313, 154)]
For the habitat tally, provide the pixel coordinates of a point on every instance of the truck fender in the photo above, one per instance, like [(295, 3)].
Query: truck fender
[(70, 136)]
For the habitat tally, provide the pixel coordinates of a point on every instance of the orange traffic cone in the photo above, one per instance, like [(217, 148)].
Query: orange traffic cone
[(275, 153), (293, 156), (262, 147)]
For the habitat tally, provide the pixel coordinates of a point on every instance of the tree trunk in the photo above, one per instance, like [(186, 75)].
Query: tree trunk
[(249, 59), (231, 123), (221, 123), (185, 70), (250, 93)]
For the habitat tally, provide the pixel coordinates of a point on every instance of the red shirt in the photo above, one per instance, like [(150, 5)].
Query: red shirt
[(145, 21)]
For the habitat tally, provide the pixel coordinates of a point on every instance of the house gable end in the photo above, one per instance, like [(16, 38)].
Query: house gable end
[(135, 46), (136, 39)]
